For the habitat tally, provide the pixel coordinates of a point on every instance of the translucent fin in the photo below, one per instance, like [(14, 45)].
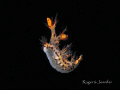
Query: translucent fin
[(67, 54), (43, 40), (73, 57), (64, 30), (65, 49)]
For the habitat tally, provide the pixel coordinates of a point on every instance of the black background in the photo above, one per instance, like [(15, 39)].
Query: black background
[(92, 29)]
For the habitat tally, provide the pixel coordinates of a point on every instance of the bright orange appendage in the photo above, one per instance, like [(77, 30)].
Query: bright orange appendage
[(63, 36), (49, 22), (77, 61)]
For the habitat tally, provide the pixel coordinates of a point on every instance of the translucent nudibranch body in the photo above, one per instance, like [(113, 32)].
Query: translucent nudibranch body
[(59, 58)]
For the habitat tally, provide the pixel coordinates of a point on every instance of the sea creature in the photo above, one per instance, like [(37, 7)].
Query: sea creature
[(59, 58)]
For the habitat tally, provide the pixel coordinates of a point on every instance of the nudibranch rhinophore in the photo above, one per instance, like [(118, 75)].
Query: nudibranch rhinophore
[(59, 58)]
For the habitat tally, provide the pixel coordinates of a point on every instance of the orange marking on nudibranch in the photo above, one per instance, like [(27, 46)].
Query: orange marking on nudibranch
[(49, 22), (46, 44), (77, 61), (63, 36)]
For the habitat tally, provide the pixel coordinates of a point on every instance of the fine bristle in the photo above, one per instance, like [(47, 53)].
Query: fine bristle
[(43, 40)]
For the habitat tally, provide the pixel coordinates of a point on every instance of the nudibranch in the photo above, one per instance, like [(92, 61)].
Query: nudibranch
[(58, 59)]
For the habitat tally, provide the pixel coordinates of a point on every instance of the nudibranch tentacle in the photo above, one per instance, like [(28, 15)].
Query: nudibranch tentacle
[(59, 58)]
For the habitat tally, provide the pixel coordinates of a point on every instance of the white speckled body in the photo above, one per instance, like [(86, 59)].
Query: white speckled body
[(56, 62)]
